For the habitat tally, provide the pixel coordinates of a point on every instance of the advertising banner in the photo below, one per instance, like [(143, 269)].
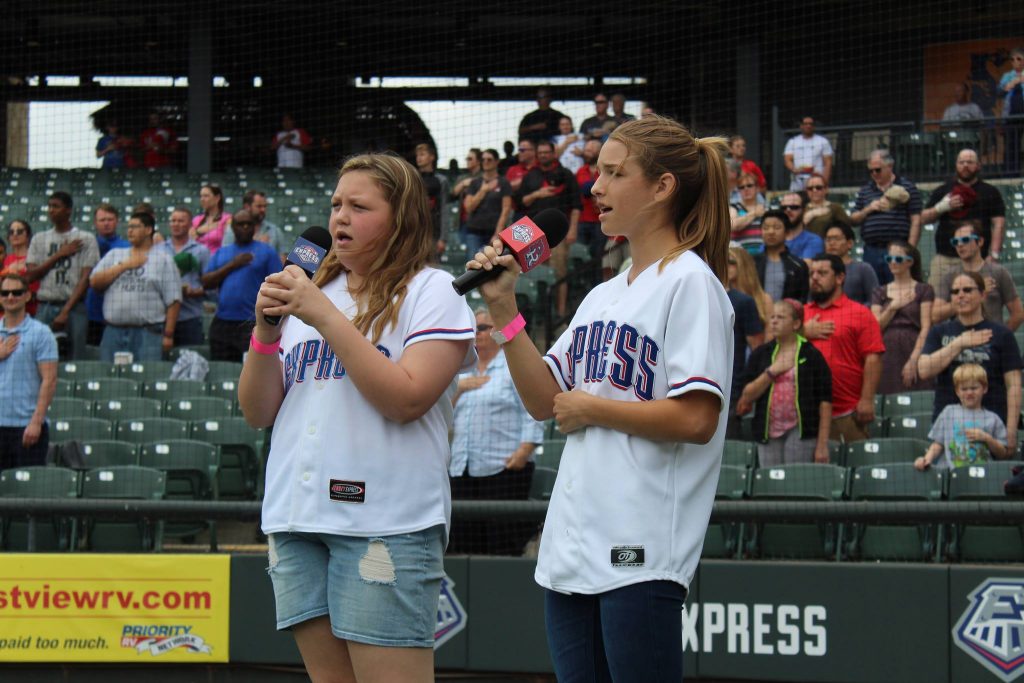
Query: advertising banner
[(114, 608)]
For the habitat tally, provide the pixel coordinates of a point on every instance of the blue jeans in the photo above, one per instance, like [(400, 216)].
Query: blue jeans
[(875, 257), (76, 328), (143, 343), (631, 634), (474, 242)]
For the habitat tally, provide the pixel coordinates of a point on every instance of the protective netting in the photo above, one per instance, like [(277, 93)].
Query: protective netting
[(857, 125)]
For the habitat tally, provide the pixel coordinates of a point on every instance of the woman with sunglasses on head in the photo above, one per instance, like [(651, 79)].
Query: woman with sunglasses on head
[(903, 309), (745, 215), (19, 235), (970, 338), (819, 213), (645, 409)]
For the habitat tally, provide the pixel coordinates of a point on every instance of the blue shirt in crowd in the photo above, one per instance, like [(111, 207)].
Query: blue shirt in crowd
[(191, 261), (237, 298), (19, 372), (805, 245)]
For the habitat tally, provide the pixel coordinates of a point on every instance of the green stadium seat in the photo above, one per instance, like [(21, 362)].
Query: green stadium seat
[(799, 540), (240, 448), (106, 388), (895, 542), (910, 403), (65, 388), (221, 370), (984, 543), (724, 540), (910, 426), (739, 453), (837, 453), (150, 371), (549, 453), (80, 429), (879, 427), (80, 370), (127, 409), (225, 388), (114, 534), (173, 389), (63, 407), (191, 468), (150, 429), (201, 407), (109, 453), (51, 533), (884, 451), (543, 483)]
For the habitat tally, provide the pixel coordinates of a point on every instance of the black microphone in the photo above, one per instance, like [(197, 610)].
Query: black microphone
[(309, 251), (529, 241)]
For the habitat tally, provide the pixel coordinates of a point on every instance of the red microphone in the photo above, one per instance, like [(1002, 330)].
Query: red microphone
[(529, 241)]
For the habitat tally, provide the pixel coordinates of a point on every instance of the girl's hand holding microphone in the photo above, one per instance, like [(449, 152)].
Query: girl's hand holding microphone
[(290, 292), (500, 293)]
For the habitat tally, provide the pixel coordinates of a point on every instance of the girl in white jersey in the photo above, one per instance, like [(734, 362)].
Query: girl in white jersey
[(639, 382), (357, 382)]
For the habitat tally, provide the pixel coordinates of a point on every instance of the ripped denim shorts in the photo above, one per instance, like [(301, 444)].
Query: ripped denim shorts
[(377, 590)]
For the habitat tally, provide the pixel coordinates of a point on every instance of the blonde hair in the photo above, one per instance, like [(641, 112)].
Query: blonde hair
[(748, 282), (406, 249), (970, 372), (700, 204)]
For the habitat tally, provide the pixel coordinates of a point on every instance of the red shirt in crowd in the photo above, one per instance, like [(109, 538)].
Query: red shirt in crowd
[(158, 145), (856, 335), (584, 175), (518, 171)]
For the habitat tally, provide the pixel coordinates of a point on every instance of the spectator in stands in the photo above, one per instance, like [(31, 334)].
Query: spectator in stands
[(1011, 85), (849, 338), (62, 259), (860, 281), (438, 191), (568, 145), (745, 280), (488, 205), (964, 197), (598, 126), (551, 186), (237, 270), (745, 214), (113, 147), (887, 208), (962, 108), (738, 151), (526, 162), (542, 122), (590, 233), (255, 202), (474, 163), (191, 258), (801, 243), (19, 234), (291, 144), (619, 109), (970, 338), (903, 309), (819, 213), (158, 143), (493, 441), (807, 153), (105, 222), (142, 295), (208, 227), (791, 385), (783, 275), (999, 292), (965, 433), (509, 160), (747, 333), (28, 378)]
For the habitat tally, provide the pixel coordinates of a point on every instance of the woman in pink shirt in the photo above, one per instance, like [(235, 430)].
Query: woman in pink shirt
[(208, 227)]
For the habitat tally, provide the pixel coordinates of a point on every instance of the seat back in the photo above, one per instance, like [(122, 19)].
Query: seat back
[(49, 534), (106, 388), (543, 483), (984, 542), (884, 451), (739, 453), (80, 428), (127, 409), (117, 534)]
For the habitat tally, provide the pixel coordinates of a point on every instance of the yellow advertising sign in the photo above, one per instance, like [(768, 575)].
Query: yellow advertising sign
[(114, 608)]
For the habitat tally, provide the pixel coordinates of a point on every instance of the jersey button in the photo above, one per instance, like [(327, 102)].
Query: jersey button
[(311, 429), (305, 476)]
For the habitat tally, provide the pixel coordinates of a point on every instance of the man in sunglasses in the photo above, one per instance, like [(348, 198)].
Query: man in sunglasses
[(598, 126), (28, 378), (964, 197), (526, 155), (1000, 291), (882, 220)]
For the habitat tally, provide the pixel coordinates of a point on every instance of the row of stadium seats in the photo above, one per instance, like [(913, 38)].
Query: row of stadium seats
[(866, 541), (141, 372), (118, 388), (195, 408)]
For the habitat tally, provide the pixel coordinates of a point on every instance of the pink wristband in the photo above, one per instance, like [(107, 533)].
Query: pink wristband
[(506, 334), (264, 349)]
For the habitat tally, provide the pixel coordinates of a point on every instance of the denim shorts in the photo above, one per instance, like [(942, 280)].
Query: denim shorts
[(381, 590)]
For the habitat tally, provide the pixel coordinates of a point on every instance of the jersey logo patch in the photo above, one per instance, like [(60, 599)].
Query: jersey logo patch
[(991, 629), (343, 491), (627, 556)]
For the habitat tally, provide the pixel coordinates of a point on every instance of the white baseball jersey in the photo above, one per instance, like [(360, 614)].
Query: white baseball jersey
[(337, 465), (627, 509)]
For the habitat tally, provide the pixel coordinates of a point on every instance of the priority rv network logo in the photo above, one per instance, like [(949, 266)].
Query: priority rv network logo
[(160, 639), (991, 629)]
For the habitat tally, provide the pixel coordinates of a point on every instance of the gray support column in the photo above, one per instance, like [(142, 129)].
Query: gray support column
[(200, 89), (748, 98)]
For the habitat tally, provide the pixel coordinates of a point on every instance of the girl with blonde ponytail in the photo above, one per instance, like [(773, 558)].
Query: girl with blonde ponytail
[(640, 383), (357, 383)]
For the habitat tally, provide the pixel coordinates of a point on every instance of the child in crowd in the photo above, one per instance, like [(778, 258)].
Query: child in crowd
[(966, 434)]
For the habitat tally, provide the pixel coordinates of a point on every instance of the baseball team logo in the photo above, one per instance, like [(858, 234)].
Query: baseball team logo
[(991, 629), (306, 254), (522, 233), (451, 616), (533, 255)]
